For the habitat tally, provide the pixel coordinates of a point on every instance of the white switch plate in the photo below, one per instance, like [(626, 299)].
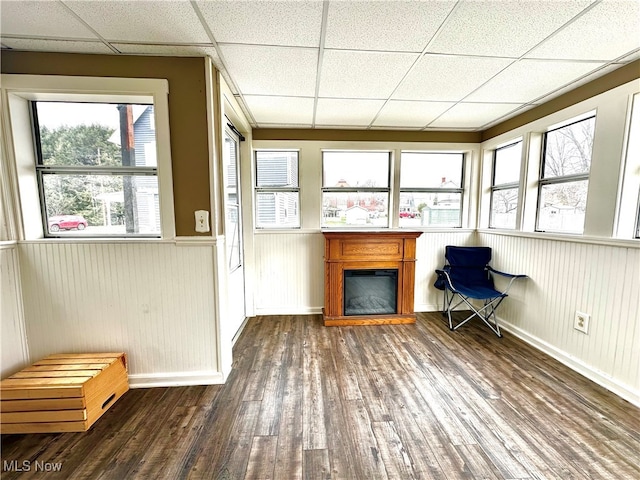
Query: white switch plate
[(202, 221)]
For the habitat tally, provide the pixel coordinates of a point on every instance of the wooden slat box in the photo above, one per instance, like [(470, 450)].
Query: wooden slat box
[(62, 393)]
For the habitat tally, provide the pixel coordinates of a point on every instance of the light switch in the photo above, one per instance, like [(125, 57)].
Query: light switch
[(202, 221)]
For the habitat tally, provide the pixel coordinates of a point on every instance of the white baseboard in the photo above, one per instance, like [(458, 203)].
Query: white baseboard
[(289, 311), (602, 379), (427, 307), (175, 379)]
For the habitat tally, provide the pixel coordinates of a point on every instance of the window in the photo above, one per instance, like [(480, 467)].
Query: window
[(504, 185), (233, 202), (564, 177), (431, 189), (355, 189), (65, 149), (96, 168), (277, 189), (637, 235)]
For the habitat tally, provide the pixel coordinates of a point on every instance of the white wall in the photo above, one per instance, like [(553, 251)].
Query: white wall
[(566, 276), (593, 273), (154, 301), (15, 355)]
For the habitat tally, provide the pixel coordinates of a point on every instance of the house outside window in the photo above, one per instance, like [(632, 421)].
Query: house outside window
[(96, 168), (505, 185), (431, 189), (355, 189), (277, 189), (564, 177)]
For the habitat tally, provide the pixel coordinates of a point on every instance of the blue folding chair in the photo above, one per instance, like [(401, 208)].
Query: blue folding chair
[(467, 273)]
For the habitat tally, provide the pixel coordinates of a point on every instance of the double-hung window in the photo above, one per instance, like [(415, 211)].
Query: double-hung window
[(505, 185), (431, 189), (277, 189), (355, 189), (96, 168), (564, 177), (91, 156)]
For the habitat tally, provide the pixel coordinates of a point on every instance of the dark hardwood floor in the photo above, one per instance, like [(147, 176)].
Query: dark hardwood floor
[(362, 402)]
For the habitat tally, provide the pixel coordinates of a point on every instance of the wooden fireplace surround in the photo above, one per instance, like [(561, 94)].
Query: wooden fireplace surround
[(366, 251)]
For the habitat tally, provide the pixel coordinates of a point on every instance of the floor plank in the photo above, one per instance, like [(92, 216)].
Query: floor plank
[(364, 402)]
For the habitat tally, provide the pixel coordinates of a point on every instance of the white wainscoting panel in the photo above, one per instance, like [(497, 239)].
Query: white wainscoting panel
[(290, 270), (15, 355), (430, 256), (289, 273), (565, 277), (154, 301)]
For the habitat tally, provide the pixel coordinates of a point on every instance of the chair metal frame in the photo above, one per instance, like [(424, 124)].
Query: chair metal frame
[(491, 297)]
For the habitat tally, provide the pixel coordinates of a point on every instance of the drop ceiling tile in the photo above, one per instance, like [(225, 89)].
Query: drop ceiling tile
[(175, 51), (41, 19), (526, 80), (399, 113), (135, 21), (346, 112), (68, 46), (283, 110), (285, 23), (503, 28), (472, 115), (168, 50), (607, 31), (583, 80), (357, 74), (448, 78), (262, 70), (391, 26)]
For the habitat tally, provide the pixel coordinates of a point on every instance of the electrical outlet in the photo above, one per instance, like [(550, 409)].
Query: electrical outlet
[(581, 322)]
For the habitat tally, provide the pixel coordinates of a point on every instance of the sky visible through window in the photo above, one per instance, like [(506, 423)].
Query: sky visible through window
[(57, 114), (431, 170)]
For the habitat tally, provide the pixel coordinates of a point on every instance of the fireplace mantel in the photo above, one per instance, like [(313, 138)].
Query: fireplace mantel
[(364, 250)]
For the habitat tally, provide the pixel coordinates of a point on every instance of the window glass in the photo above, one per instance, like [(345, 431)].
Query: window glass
[(506, 168), (568, 149), (355, 189), (97, 168), (431, 170), (563, 207), (355, 169), (233, 227), (562, 193), (505, 187), (277, 190), (430, 189), (504, 203)]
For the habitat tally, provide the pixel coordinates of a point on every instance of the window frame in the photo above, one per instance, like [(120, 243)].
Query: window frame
[(563, 179), (637, 229), (434, 189), (387, 190), (274, 189), (504, 186), (17, 91)]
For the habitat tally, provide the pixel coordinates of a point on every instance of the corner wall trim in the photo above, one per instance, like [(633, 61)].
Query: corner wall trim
[(598, 377), (175, 379)]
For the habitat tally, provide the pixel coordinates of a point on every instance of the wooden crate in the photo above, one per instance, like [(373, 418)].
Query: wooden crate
[(62, 393)]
